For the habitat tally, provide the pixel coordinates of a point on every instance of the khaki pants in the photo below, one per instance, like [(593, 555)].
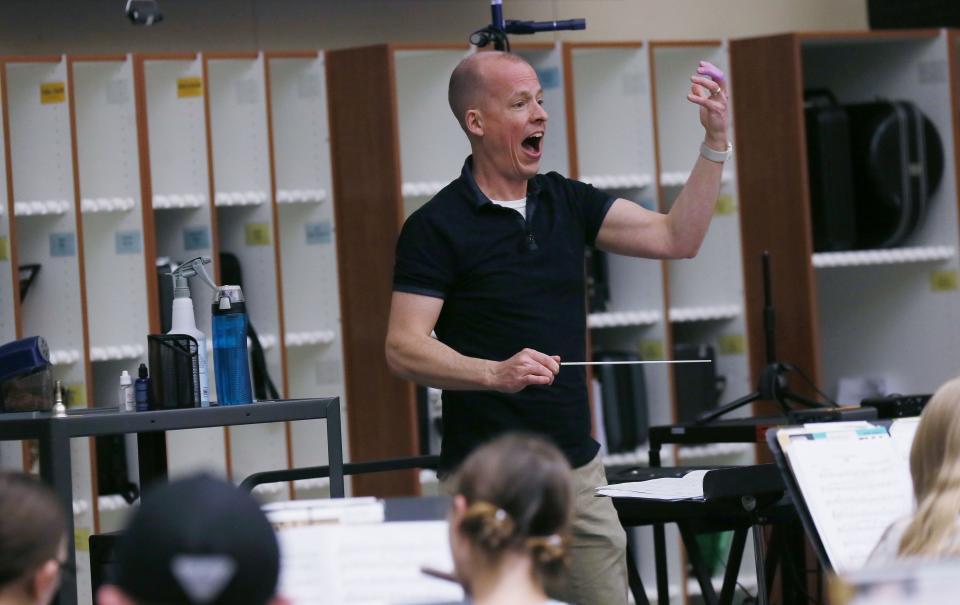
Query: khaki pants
[(598, 566)]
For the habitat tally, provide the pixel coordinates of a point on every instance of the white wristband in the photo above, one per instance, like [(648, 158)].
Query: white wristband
[(716, 156)]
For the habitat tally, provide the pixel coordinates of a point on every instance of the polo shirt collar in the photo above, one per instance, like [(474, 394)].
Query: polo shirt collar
[(477, 196)]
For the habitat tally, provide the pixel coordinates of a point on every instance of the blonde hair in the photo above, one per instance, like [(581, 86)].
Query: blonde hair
[(935, 469)]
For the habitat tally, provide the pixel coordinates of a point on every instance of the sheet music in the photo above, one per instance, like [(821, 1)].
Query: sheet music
[(688, 487), (902, 432), (855, 483), (366, 564)]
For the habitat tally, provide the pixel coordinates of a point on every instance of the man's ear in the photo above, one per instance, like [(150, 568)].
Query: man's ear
[(474, 122), (111, 595), (46, 581)]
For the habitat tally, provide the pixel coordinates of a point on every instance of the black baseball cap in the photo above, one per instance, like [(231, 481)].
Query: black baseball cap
[(198, 541)]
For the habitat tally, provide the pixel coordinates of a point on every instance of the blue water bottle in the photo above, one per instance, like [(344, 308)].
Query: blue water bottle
[(230, 346)]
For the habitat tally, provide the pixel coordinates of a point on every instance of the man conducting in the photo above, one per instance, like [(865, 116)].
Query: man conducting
[(494, 265)]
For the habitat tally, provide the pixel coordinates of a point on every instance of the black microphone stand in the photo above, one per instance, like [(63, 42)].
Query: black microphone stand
[(772, 385), (498, 29)]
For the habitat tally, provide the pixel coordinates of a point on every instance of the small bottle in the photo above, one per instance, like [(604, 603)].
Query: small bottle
[(126, 393), (230, 346), (141, 389), (59, 410)]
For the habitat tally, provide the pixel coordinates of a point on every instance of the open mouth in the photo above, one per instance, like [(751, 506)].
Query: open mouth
[(533, 143)]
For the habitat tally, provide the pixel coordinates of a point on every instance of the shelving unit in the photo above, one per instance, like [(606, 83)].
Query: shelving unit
[(112, 219), (613, 79), (237, 114), (705, 293), (11, 452), (389, 126), (41, 174), (604, 80), (868, 313), (432, 145), (177, 191), (297, 98)]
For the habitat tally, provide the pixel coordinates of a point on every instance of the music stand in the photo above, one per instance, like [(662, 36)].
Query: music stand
[(772, 385)]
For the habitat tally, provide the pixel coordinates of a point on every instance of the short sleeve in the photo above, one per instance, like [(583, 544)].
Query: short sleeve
[(425, 259), (592, 206)]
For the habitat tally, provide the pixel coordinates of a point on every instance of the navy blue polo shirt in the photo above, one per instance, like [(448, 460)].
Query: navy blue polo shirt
[(508, 282)]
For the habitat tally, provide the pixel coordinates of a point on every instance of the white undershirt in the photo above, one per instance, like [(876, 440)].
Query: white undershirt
[(518, 205)]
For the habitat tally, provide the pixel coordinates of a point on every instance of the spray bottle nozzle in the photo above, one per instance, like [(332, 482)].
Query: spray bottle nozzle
[(190, 268)]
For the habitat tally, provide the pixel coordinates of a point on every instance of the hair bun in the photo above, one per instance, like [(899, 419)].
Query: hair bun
[(487, 526), (549, 553)]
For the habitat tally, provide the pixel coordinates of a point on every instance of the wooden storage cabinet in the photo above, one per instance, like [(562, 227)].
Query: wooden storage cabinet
[(236, 105), (889, 314), (11, 452), (393, 147), (43, 214), (618, 156), (705, 297), (120, 298), (177, 193), (300, 140)]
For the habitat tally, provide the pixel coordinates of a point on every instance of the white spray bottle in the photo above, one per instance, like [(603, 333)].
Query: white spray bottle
[(183, 319)]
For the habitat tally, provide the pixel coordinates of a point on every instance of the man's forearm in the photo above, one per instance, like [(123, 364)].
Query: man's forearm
[(429, 362), (691, 212)]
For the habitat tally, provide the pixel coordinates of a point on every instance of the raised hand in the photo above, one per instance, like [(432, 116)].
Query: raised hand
[(523, 369), (709, 91)]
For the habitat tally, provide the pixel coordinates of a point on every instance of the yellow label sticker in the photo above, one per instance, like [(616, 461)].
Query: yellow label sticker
[(732, 344), (76, 395), (189, 87), (651, 349), (81, 538), (53, 92), (943, 281), (258, 234), (726, 205), (4, 248)]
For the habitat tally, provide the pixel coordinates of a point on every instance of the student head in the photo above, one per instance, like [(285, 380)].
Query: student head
[(935, 469), (497, 99), (33, 540), (512, 505), (195, 541)]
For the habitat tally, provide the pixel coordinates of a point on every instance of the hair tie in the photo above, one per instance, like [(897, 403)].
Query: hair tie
[(554, 540), (500, 515)]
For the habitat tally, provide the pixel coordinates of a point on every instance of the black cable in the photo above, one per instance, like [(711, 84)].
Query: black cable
[(800, 584), (718, 560), (482, 37), (793, 368)]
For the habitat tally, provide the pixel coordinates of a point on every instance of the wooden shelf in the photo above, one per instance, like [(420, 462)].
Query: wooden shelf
[(117, 352), (619, 181), (240, 198), (106, 204), (708, 313), (41, 207), (301, 196), (891, 256), (177, 200), (616, 319)]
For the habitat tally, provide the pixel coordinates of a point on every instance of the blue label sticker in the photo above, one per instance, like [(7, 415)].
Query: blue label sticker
[(196, 238), (127, 242), (549, 77), (63, 244), (319, 233)]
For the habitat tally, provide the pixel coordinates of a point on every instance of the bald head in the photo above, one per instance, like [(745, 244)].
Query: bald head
[(468, 82)]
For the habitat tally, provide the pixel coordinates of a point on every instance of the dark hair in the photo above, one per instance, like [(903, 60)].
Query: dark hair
[(519, 498), (32, 525)]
